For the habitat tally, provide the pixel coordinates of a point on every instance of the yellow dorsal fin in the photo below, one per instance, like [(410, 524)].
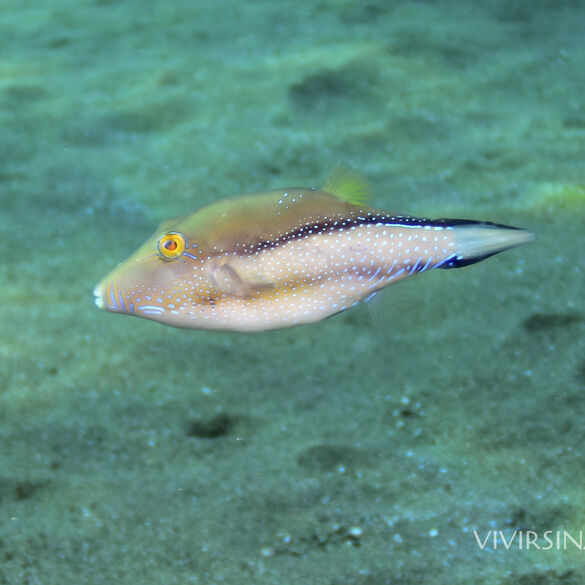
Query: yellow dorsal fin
[(348, 184)]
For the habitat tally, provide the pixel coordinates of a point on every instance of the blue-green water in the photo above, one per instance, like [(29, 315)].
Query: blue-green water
[(362, 450)]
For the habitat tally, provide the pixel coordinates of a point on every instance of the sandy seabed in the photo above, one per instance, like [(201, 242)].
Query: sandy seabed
[(377, 447)]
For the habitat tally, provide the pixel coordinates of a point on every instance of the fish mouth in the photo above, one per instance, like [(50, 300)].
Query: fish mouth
[(108, 296), (97, 297)]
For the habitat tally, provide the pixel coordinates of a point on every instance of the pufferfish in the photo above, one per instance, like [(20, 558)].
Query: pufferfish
[(288, 257)]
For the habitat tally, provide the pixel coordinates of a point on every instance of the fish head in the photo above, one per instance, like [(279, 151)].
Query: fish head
[(161, 279), (201, 271)]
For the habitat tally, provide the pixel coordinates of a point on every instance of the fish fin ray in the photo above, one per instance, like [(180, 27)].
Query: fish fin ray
[(348, 184)]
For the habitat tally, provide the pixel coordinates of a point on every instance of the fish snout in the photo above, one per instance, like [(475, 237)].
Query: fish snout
[(107, 295), (97, 296)]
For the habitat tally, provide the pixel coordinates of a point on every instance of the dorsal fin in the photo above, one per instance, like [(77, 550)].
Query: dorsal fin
[(347, 184)]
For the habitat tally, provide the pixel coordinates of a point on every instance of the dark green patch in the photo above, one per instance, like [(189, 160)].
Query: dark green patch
[(536, 11), (24, 94), (148, 118), (220, 425), (407, 413), (329, 90), (89, 129), (59, 43), (170, 78), (427, 575), (364, 13), (328, 457), (538, 517), (493, 159), (539, 322), (19, 490), (12, 177), (416, 128), (282, 156), (580, 373), (552, 577), (449, 51), (574, 122)]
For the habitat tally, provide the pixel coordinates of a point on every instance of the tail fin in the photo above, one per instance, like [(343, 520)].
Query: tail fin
[(477, 240)]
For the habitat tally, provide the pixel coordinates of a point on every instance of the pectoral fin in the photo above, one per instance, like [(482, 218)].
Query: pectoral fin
[(226, 278)]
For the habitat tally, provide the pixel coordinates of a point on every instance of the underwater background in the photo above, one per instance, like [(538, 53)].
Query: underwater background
[(372, 448)]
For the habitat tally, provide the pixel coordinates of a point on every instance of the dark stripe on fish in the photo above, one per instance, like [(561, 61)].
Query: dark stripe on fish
[(331, 225)]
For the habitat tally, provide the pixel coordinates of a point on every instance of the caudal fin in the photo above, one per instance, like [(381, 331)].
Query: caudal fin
[(478, 240)]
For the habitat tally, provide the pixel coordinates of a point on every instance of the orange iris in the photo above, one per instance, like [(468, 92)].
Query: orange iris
[(171, 245)]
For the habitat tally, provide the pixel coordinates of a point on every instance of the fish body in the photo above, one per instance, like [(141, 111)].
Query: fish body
[(287, 257)]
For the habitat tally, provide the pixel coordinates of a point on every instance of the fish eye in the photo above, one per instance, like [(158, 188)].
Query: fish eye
[(171, 245)]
